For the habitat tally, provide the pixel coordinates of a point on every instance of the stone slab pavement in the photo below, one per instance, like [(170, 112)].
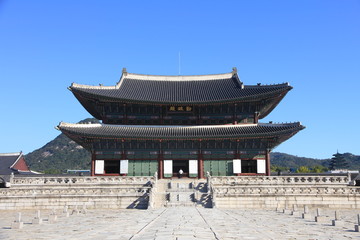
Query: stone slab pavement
[(180, 223)]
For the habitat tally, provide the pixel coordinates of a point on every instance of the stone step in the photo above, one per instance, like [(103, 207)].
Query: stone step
[(180, 204)]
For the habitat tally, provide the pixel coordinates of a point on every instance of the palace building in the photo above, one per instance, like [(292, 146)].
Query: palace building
[(200, 123)]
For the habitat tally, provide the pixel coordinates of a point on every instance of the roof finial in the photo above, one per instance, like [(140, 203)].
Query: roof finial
[(234, 70), (124, 71)]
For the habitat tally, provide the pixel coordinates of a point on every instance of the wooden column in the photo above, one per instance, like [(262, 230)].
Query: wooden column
[(160, 163), (125, 114), (201, 167), (200, 163), (234, 114), (267, 162), (123, 154), (200, 121), (256, 117), (162, 114), (161, 168), (93, 158)]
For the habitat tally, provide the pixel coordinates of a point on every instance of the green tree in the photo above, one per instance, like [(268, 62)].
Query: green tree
[(303, 169), (276, 168), (52, 171), (319, 169)]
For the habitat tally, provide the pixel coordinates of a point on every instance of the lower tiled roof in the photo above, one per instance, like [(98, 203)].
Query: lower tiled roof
[(7, 160), (180, 132)]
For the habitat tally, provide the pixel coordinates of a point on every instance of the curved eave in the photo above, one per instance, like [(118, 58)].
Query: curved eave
[(77, 131), (88, 104), (276, 100)]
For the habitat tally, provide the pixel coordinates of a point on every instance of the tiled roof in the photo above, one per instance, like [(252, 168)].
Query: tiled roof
[(180, 132), (7, 160), (179, 89)]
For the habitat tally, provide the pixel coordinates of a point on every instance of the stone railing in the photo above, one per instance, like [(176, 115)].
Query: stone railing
[(280, 180), (71, 180), (152, 192), (65, 191), (284, 190)]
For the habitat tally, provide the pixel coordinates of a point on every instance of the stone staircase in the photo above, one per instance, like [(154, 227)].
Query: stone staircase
[(181, 192)]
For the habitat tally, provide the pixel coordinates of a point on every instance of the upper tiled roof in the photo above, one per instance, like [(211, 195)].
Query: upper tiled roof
[(179, 89), (7, 161), (180, 132)]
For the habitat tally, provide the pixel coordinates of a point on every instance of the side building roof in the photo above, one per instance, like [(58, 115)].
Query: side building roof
[(8, 161), (195, 89)]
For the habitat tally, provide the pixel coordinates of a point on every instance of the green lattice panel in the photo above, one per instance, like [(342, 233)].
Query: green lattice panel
[(142, 167), (219, 167)]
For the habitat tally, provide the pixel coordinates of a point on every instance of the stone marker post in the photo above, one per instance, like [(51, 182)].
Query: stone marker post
[(357, 226), (337, 221), (52, 216), (17, 224), (306, 209), (277, 207), (319, 218), (37, 219), (294, 211), (306, 215), (65, 211), (84, 210), (75, 211), (286, 209)]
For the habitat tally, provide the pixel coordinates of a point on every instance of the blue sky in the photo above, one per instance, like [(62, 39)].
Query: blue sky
[(314, 45)]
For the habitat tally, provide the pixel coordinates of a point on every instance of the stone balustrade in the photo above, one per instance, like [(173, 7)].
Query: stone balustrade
[(47, 192), (42, 180), (283, 190), (271, 191), (280, 180), (35, 192)]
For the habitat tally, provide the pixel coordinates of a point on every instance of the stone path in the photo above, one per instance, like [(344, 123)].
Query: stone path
[(179, 223)]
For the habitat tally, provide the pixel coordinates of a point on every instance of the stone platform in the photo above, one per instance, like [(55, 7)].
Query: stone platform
[(178, 223)]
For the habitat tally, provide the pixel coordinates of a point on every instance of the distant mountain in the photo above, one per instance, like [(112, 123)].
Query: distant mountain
[(59, 155), (291, 161), (62, 154)]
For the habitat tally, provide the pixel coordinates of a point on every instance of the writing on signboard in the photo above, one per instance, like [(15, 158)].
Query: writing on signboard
[(180, 109)]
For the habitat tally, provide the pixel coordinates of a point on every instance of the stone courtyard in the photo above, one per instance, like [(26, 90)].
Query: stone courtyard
[(179, 223)]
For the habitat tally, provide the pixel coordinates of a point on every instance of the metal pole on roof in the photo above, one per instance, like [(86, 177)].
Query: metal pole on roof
[(179, 63)]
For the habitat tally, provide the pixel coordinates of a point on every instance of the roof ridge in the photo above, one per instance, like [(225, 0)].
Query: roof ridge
[(259, 85), (10, 154), (84, 125), (179, 77)]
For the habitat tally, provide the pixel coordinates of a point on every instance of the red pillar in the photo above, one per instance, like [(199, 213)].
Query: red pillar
[(123, 153), (125, 114), (234, 114), (200, 162), (201, 167), (256, 117), (160, 163), (161, 168), (93, 158), (267, 159)]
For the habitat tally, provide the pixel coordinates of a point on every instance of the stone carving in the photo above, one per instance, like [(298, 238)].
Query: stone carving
[(275, 180)]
